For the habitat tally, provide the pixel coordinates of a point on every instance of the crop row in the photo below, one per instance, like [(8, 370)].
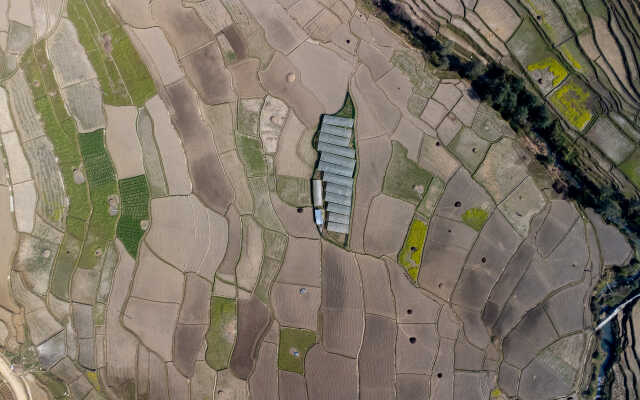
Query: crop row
[(123, 76), (134, 198)]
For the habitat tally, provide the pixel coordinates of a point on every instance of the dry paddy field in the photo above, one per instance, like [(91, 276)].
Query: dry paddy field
[(462, 276)]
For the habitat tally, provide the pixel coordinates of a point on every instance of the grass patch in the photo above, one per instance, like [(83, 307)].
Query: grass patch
[(102, 186), (55, 386), (554, 66), (294, 340), (123, 76), (92, 376), (631, 167), (250, 152), (404, 178), (428, 204), (570, 101), (293, 190), (414, 67), (249, 116), (347, 110), (63, 269), (475, 218), (221, 334), (268, 272), (134, 200), (410, 255)]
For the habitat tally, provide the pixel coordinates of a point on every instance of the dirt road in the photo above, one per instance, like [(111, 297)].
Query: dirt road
[(15, 382)]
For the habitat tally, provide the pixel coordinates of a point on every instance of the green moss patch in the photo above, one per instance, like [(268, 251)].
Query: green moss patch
[(134, 200), (475, 218), (123, 76), (222, 332), (293, 348), (404, 178), (410, 255)]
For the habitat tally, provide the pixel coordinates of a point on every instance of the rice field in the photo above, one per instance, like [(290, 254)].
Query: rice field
[(134, 200)]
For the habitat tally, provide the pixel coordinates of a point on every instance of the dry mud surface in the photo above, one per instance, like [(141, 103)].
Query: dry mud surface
[(492, 304)]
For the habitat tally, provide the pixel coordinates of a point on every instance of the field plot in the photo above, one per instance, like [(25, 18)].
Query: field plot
[(631, 167), (150, 154), (122, 141), (572, 102), (293, 347), (531, 50), (123, 76), (222, 332), (404, 179), (608, 138), (410, 255), (103, 189), (134, 198)]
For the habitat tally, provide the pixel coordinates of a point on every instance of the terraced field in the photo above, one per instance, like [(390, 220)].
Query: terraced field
[(159, 170)]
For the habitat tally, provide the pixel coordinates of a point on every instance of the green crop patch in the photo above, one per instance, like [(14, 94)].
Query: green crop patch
[(410, 256), (250, 152), (293, 348), (134, 198), (221, 333), (552, 65), (404, 178), (102, 188), (571, 102), (293, 190), (631, 167), (123, 76), (55, 386), (475, 218), (58, 125)]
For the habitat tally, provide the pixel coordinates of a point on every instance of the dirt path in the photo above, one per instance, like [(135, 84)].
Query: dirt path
[(16, 383)]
